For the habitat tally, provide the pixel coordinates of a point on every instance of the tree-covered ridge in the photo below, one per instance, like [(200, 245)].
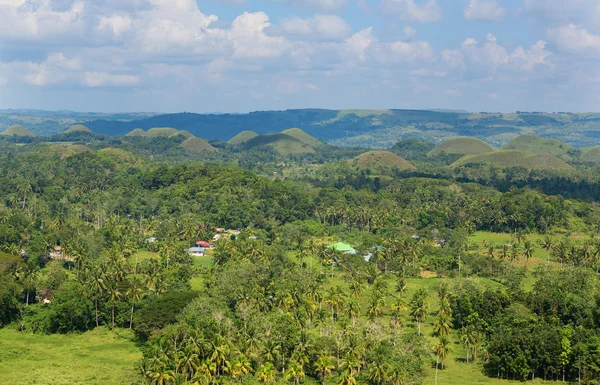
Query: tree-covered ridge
[(360, 128)]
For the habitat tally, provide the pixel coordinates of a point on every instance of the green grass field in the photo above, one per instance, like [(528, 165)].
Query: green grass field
[(96, 357), (462, 146), (536, 145), (515, 158)]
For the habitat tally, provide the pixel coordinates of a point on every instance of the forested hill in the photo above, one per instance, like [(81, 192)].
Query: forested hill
[(358, 128), (373, 128)]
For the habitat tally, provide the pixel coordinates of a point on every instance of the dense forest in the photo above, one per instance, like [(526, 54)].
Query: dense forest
[(474, 268)]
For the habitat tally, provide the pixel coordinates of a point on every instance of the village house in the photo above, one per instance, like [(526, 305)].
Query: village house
[(196, 251)]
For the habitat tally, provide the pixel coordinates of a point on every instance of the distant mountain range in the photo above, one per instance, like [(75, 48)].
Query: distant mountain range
[(365, 128)]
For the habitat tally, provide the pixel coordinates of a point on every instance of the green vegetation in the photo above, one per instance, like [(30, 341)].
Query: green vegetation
[(476, 274), (538, 146), (17, 131), (96, 357), (303, 137), (78, 128), (462, 146), (591, 155), (513, 158), (242, 137), (281, 143), (196, 145), (136, 132), (380, 162), (185, 134), (161, 131)]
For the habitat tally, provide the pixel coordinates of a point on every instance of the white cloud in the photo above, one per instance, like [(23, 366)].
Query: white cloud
[(101, 79), (409, 32), (491, 56), (249, 39), (37, 19), (575, 39), (484, 10), (12, 3), (358, 43), (320, 27), (116, 24), (319, 5), (53, 70), (556, 10), (406, 52), (425, 12)]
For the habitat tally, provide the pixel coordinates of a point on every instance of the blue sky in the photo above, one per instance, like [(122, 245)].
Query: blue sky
[(246, 55)]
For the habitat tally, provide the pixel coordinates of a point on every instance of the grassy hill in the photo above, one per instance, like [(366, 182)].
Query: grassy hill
[(539, 146), (119, 156), (515, 158), (17, 131), (197, 144), (462, 146), (591, 155), (242, 137), (136, 132), (380, 161), (282, 143), (161, 131), (185, 134), (303, 136), (78, 128)]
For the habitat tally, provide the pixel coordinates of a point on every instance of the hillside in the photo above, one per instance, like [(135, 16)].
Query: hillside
[(197, 145), (515, 158), (79, 128), (282, 143), (136, 132), (17, 131), (303, 137), (591, 155), (242, 137), (161, 131), (183, 133), (462, 146), (380, 161), (536, 145)]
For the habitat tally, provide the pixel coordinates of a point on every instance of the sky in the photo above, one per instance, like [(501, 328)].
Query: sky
[(247, 55)]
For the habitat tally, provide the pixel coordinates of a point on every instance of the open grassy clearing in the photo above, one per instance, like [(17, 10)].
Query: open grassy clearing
[(96, 357)]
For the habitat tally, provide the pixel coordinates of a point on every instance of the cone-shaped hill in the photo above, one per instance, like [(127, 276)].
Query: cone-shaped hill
[(185, 134), (197, 145), (79, 128), (462, 146), (380, 161), (515, 158), (536, 145), (242, 137), (282, 143), (136, 132), (591, 155), (161, 131), (18, 131), (303, 137)]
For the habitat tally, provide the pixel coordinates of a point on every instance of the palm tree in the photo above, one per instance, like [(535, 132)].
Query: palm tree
[(470, 339), (135, 293), (378, 371), (444, 319), (295, 372), (527, 252), (547, 244), (441, 351), (96, 287), (323, 366), (241, 366), (266, 373), (353, 310), (418, 307), (162, 376), (114, 295)]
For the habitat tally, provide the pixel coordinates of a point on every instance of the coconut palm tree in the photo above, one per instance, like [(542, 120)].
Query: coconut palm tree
[(418, 307), (378, 371), (527, 252), (323, 366), (135, 293), (114, 295), (95, 287), (266, 373), (295, 372)]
